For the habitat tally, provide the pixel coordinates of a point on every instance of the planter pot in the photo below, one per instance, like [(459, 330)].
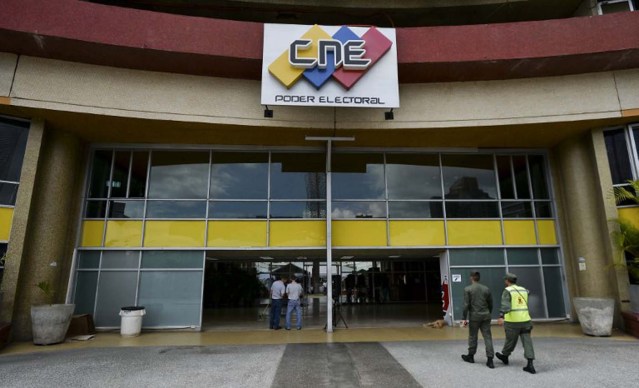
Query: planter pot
[(50, 323), (595, 315), (634, 298), (631, 322)]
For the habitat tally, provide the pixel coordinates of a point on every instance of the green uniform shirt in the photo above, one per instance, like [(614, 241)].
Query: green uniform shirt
[(478, 302)]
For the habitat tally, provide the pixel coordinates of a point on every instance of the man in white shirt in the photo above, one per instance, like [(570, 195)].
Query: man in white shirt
[(294, 292), (278, 289)]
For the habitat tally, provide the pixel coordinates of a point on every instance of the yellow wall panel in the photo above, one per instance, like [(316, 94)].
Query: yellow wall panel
[(237, 234), (359, 233), (474, 233), (92, 232), (546, 230), (298, 233), (123, 234), (417, 233), (631, 214), (520, 232), (174, 234), (6, 217)]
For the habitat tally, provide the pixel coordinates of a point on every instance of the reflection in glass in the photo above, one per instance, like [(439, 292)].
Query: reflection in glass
[(477, 257), (358, 176), (120, 259), (85, 288), (298, 176), (172, 259), (359, 209), (179, 175), (171, 298), (521, 177), (476, 209), (120, 174), (505, 177), (469, 176), (618, 158), (530, 278), (100, 174), (300, 209), (516, 209), (522, 256), (543, 209), (88, 259), (95, 209), (13, 142), (111, 299), (413, 176), (400, 209), (176, 209), (239, 175), (126, 209), (237, 209), (138, 174), (493, 278), (8, 193), (538, 176), (554, 292), (549, 256)]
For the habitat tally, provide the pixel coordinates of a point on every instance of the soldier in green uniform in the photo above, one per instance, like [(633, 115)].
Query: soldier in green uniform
[(478, 306), (514, 316)]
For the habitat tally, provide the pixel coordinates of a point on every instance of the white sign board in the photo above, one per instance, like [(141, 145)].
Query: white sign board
[(337, 66), (457, 278)]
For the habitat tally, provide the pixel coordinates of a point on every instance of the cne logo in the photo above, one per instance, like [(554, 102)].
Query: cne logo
[(318, 57)]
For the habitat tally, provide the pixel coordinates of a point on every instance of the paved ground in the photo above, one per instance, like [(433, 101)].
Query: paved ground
[(583, 362)]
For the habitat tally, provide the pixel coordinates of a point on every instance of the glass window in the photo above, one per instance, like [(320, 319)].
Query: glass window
[(300, 209), (476, 209), (13, 142), (413, 176), (476, 257), (358, 176), (100, 174), (172, 259), (359, 209), (538, 176), (522, 256), (120, 259), (543, 209), (85, 288), (237, 209), (8, 193), (95, 209), (521, 177), (139, 169), (298, 176), (618, 157), (171, 298), (126, 209), (554, 292), (179, 174), (120, 179), (549, 256), (239, 175), (530, 278), (493, 278), (176, 209), (399, 209), (116, 289), (504, 170), (469, 177), (88, 259), (516, 209)]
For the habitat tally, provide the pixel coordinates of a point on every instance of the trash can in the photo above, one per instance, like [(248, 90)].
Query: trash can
[(131, 322)]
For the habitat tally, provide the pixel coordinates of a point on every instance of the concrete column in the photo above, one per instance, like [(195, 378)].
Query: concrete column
[(584, 182), (50, 229)]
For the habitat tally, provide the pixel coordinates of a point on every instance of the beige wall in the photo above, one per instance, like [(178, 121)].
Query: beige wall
[(74, 87)]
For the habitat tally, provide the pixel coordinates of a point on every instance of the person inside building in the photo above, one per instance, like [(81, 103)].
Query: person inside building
[(294, 293), (278, 290), (515, 318), (478, 307)]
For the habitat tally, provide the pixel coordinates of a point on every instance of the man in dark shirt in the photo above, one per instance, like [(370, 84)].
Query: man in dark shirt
[(478, 306)]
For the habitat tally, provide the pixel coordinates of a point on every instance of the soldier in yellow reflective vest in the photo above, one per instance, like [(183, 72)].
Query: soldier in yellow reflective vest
[(514, 316)]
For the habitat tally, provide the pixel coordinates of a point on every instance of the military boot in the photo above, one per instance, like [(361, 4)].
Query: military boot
[(503, 358), (468, 358), (489, 363), (530, 368)]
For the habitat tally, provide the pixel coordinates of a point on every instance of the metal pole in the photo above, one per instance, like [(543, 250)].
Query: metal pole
[(329, 241)]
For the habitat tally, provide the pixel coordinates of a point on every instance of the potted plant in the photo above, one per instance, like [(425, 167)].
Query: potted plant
[(626, 239), (50, 322)]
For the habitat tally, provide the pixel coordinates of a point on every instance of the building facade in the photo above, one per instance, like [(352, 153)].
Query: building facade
[(139, 165)]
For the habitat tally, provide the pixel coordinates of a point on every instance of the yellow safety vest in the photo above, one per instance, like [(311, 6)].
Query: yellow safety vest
[(518, 305)]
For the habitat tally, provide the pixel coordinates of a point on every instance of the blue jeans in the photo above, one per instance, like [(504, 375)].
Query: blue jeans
[(294, 305), (276, 311)]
